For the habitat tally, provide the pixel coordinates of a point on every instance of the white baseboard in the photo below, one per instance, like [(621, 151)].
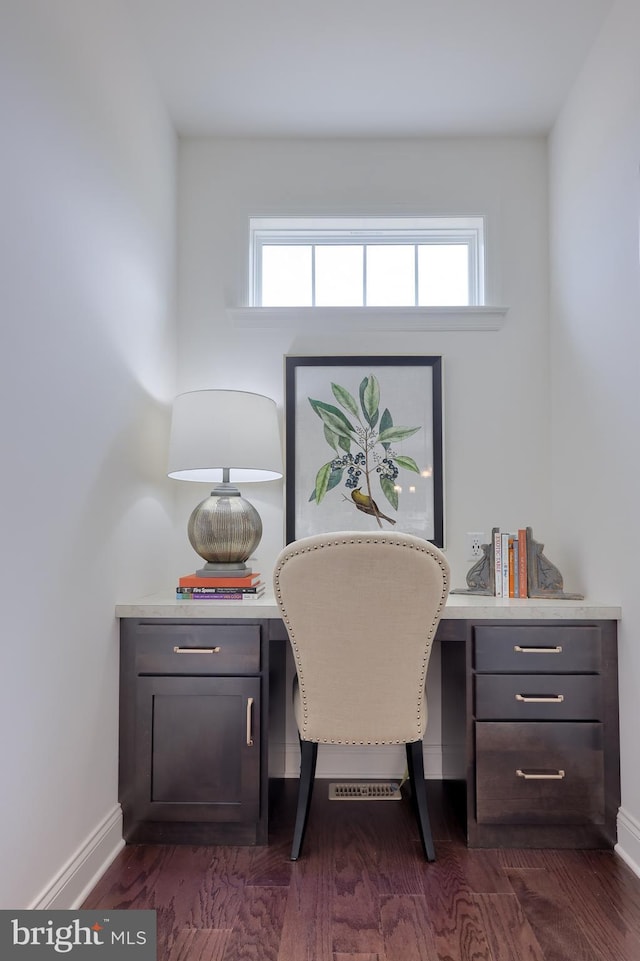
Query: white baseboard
[(628, 846), (83, 870)]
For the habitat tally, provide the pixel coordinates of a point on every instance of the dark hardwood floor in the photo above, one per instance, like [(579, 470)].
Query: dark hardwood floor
[(363, 892)]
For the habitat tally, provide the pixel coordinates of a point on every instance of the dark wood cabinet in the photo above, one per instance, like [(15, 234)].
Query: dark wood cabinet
[(542, 734), (529, 728), (193, 762)]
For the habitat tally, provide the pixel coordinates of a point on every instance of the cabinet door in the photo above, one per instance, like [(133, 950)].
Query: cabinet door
[(197, 749)]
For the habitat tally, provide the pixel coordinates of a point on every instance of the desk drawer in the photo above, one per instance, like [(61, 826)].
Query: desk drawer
[(537, 649), (538, 697), (183, 649), (539, 773)]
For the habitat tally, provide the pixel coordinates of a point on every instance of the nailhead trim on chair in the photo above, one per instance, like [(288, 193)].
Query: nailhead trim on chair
[(373, 541)]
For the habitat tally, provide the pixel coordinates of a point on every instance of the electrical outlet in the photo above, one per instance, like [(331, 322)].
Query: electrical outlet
[(474, 545)]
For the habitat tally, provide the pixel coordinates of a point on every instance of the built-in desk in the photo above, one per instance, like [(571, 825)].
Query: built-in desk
[(529, 697)]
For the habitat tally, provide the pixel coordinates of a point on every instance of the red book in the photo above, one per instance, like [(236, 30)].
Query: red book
[(192, 580)]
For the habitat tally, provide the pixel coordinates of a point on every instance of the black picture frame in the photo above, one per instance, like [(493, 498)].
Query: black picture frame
[(324, 394)]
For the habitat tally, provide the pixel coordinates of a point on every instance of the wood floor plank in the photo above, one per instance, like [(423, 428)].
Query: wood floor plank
[(483, 871), (399, 855), (355, 907), (521, 858), (256, 933), (270, 864), (339, 956), (618, 885), (455, 918), (605, 927), (307, 925), (198, 944), (508, 932), (217, 900), (406, 931), (556, 918), (394, 840), (132, 880)]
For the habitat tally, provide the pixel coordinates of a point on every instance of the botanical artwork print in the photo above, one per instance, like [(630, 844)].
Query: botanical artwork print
[(363, 445), (363, 463)]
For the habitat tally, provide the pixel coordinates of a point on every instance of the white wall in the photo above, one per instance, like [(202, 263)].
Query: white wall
[(496, 384), (87, 371), (595, 340)]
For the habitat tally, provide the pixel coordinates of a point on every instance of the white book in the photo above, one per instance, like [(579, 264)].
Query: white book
[(505, 565), (497, 559)]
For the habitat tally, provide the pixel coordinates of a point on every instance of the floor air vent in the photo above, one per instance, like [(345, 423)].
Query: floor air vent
[(357, 791)]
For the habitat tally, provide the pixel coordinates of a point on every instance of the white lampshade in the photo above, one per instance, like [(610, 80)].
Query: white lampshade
[(216, 429)]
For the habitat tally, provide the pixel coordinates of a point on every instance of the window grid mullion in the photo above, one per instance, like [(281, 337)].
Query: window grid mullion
[(364, 274), (256, 274), (416, 291), (471, 267)]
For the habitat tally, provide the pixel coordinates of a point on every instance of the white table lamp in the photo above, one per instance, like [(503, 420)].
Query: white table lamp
[(221, 437)]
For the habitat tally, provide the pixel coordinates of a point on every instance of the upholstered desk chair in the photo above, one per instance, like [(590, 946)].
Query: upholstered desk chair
[(361, 611)]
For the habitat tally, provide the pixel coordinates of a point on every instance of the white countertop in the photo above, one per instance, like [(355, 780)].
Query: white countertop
[(459, 607)]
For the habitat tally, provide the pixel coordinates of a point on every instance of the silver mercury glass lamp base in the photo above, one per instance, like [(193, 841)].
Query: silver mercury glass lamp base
[(224, 530)]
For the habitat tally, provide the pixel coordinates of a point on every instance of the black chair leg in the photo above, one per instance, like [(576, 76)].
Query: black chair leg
[(308, 757), (415, 764)]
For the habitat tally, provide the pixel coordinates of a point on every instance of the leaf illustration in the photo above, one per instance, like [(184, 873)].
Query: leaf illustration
[(385, 423), (335, 478), (370, 399), (322, 481), (333, 418), (345, 399), (389, 491), (396, 433), (407, 462), (331, 438)]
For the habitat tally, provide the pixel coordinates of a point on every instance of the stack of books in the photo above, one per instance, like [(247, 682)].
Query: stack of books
[(194, 587), (510, 552)]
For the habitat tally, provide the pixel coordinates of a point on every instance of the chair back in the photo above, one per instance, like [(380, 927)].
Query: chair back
[(361, 611)]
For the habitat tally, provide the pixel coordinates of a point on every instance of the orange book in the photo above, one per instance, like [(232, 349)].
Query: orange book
[(192, 580), (522, 563)]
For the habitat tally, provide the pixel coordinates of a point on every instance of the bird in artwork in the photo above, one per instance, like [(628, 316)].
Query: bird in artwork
[(366, 504)]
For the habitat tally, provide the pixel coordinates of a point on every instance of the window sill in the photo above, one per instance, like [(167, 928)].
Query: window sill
[(369, 318)]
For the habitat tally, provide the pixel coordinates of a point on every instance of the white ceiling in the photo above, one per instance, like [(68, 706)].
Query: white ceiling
[(365, 67)]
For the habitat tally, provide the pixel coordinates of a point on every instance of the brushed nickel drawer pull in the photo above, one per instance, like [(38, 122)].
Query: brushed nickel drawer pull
[(540, 775), (537, 650), (249, 720), (196, 650), (540, 698)]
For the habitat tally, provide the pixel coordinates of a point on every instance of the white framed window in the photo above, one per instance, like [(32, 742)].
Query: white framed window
[(367, 262)]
